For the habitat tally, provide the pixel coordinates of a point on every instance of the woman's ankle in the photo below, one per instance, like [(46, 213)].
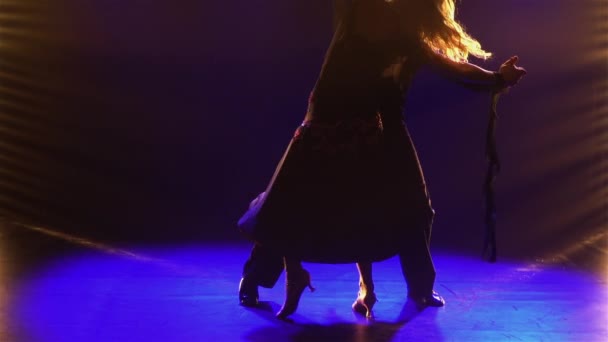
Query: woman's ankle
[(293, 265), (366, 286)]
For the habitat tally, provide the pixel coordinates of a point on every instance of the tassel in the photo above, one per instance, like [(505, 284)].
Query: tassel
[(489, 246)]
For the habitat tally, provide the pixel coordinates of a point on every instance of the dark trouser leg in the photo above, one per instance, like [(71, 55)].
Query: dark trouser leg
[(263, 266), (416, 261)]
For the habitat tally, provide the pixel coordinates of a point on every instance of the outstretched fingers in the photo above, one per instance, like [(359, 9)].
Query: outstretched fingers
[(512, 60)]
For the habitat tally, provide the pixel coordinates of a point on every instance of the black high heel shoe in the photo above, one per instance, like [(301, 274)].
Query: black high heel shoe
[(294, 286), (365, 301), (248, 292), (433, 300)]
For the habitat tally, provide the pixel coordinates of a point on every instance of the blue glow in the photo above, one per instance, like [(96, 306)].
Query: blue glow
[(189, 294)]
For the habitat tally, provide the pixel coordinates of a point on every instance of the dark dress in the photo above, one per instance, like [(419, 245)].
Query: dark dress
[(349, 187)]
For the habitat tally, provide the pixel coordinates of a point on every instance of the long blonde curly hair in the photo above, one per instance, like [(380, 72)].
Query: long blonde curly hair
[(437, 28)]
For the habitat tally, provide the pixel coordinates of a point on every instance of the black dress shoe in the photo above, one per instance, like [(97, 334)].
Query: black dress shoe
[(248, 292), (434, 300)]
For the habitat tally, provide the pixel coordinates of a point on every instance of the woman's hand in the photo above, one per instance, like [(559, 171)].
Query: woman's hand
[(510, 73)]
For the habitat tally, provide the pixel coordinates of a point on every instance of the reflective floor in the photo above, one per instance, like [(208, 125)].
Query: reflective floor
[(60, 288)]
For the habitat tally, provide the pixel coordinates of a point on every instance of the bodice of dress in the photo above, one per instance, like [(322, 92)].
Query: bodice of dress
[(360, 78)]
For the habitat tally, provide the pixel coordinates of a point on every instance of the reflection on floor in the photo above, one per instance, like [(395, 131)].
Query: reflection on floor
[(58, 290)]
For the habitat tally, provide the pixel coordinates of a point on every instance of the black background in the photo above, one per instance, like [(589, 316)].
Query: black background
[(156, 121)]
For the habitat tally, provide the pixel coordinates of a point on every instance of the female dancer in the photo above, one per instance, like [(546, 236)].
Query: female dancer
[(349, 187)]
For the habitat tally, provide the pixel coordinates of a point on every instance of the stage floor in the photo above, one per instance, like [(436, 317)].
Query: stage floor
[(56, 288)]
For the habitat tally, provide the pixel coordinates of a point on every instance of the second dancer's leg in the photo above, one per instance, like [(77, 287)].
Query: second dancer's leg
[(263, 268), (417, 265)]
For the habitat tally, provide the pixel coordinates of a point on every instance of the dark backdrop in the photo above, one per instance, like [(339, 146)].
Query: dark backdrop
[(153, 121)]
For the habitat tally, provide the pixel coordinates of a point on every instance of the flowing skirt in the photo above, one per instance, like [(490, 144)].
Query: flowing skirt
[(343, 192)]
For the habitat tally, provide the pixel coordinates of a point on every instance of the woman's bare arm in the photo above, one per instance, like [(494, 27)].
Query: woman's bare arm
[(472, 75)]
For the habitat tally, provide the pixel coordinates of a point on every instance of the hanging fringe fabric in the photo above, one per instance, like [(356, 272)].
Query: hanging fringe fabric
[(489, 245)]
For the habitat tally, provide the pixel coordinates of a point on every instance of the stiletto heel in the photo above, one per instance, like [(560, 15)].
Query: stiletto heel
[(365, 302), (294, 286)]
